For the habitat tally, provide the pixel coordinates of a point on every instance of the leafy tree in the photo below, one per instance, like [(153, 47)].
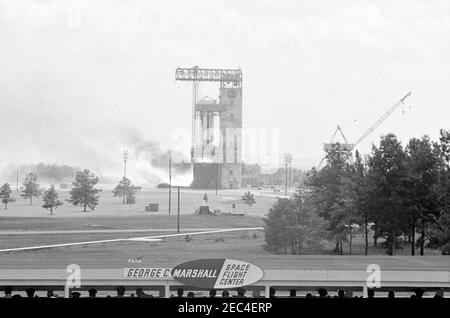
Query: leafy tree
[(252, 175), (249, 198), (326, 194), (399, 193), (53, 173), (275, 226), (444, 144), (121, 189), (126, 191), (48, 173), (341, 194), (251, 169), (30, 187), (5, 195), (83, 192), (292, 225), (51, 201), (421, 189), (131, 194), (439, 234), (356, 188), (351, 210), (387, 172), (444, 171)]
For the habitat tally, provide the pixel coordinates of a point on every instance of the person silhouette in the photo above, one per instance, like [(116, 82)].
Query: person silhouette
[(322, 292), (92, 293)]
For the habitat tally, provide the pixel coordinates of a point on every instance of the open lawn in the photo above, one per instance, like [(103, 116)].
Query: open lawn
[(23, 225), (169, 252), (190, 200)]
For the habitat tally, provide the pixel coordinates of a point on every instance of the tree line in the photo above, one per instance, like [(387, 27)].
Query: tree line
[(83, 192), (252, 175), (50, 173), (395, 194)]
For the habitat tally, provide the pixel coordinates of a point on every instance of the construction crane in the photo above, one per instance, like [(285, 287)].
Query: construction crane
[(342, 146), (381, 119), (348, 146)]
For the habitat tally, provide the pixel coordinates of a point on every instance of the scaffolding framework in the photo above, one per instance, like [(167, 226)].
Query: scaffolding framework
[(226, 77)]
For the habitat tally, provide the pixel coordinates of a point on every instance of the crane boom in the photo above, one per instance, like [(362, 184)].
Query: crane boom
[(349, 147), (381, 119)]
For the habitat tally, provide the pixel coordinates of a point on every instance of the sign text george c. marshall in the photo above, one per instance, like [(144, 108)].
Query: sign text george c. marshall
[(144, 272), (204, 273)]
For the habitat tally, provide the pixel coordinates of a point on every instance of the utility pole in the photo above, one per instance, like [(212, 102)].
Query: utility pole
[(170, 181), (286, 186), (218, 176), (17, 180), (125, 158), (290, 171), (287, 160), (178, 211)]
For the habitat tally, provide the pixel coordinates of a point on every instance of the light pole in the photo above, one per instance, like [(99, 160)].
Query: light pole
[(125, 158), (170, 181), (290, 170), (218, 176), (178, 211), (287, 160)]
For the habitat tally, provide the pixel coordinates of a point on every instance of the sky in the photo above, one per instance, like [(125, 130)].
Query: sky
[(78, 78)]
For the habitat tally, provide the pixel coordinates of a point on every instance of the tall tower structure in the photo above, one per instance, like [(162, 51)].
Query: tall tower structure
[(216, 151)]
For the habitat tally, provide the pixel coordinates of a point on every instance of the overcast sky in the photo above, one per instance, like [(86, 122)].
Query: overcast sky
[(75, 76)]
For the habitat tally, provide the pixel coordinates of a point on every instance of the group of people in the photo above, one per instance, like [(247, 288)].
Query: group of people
[(212, 293), (31, 293), (418, 293), (240, 293)]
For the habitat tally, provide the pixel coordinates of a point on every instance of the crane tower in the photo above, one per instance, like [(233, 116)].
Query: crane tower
[(348, 147), (216, 151)]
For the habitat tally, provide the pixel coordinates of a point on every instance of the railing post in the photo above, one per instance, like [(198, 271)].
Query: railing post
[(266, 291), (365, 293), (66, 291), (166, 290)]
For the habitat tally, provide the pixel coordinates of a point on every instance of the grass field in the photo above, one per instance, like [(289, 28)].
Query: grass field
[(23, 225), (190, 200)]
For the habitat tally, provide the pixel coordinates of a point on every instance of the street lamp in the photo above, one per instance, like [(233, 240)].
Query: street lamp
[(287, 160), (125, 158), (170, 182)]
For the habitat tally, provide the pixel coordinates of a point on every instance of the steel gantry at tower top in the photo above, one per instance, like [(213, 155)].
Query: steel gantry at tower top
[(226, 77)]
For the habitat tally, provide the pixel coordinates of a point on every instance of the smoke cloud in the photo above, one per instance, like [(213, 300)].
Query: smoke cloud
[(151, 151)]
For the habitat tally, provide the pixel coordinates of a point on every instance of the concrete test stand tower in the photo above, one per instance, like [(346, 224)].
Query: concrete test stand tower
[(216, 151)]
